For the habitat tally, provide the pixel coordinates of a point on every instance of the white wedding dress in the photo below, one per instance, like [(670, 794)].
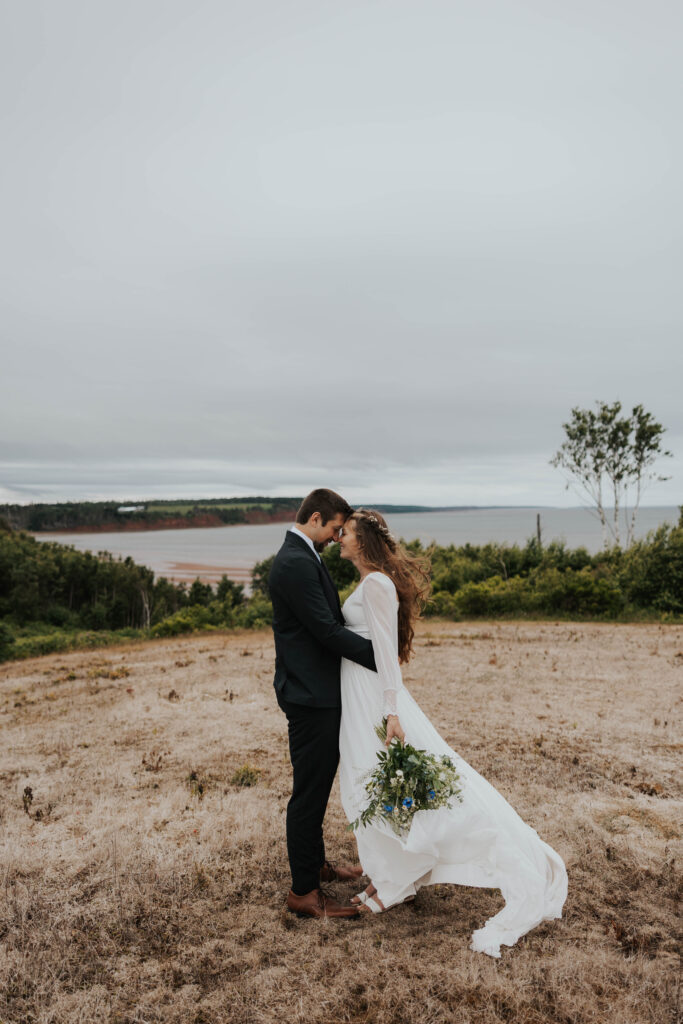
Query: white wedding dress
[(479, 842)]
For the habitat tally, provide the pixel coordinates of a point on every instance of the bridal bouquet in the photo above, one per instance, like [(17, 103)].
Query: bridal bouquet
[(407, 780)]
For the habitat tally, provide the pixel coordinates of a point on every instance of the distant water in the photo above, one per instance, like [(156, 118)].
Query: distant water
[(234, 550)]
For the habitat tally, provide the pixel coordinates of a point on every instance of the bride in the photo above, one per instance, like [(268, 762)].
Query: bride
[(481, 841)]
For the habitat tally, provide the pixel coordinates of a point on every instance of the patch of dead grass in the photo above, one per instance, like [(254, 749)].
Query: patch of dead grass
[(140, 899)]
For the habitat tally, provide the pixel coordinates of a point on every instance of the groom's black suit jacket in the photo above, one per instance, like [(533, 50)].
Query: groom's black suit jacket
[(310, 637)]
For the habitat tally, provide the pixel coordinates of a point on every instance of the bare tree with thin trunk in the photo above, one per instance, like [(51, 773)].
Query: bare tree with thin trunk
[(605, 453), (146, 609)]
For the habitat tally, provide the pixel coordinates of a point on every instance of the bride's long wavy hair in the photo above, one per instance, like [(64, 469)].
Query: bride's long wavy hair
[(410, 573)]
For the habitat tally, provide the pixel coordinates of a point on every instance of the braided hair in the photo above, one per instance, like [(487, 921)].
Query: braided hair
[(409, 573)]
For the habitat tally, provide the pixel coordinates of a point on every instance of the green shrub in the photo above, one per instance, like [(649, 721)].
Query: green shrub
[(547, 591), (494, 597), (95, 617), (342, 571), (6, 642), (200, 593), (245, 776), (578, 593), (259, 576), (255, 614), (34, 642), (444, 605), (187, 620), (651, 570), (229, 592), (47, 643), (347, 591)]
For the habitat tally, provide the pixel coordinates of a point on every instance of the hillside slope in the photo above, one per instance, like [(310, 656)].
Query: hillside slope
[(142, 880)]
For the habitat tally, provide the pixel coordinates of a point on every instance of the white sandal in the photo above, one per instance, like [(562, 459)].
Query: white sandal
[(373, 905)]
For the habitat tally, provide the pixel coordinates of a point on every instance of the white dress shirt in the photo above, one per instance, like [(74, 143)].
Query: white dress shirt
[(308, 540)]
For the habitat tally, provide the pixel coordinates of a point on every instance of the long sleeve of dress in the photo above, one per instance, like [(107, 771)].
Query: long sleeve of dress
[(381, 614)]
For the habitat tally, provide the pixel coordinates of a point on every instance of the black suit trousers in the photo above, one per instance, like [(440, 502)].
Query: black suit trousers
[(314, 753)]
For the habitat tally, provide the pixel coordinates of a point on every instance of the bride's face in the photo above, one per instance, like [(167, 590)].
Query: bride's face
[(348, 542)]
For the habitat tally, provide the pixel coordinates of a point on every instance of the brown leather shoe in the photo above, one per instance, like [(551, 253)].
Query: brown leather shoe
[(340, 872), (318, 903)]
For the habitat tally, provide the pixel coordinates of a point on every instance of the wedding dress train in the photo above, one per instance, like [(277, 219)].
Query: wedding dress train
[(479, 842)]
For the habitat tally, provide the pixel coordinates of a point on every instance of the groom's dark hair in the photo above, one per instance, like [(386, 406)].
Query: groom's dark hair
[(328, 503)]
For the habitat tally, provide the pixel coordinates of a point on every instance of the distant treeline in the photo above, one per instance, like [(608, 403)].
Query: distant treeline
[(506, 580), (53, 597), (492, 580), (75, 515), (115, 515)]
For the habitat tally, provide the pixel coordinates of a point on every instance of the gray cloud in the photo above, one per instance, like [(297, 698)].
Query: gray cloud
[(252, 246)]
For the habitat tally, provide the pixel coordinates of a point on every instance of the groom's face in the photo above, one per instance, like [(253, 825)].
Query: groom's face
[(327, 533)]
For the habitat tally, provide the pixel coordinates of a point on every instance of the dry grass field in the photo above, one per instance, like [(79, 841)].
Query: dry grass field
[(141, 880)]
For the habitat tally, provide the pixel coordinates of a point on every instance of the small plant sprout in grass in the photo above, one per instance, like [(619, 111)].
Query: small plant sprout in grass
[(152, 762), (201, 878), (39, 813), (103, 671), (245, 776), (197, 785)]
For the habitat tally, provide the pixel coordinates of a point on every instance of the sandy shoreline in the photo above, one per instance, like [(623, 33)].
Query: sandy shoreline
[(189, 571)]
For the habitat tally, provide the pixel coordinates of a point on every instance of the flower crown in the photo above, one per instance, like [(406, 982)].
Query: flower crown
[(380, 527)]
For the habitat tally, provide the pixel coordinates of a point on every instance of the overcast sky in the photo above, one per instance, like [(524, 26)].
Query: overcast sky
[(261, 246)]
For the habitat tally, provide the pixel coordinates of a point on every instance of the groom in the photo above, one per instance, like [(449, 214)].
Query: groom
[(310, 641)]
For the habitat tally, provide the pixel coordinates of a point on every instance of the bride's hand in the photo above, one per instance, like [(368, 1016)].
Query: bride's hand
[(394, 730)]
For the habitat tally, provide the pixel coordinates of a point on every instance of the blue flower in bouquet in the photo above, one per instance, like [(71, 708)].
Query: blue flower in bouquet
[(431, 794), (389, 808), (407, 802)]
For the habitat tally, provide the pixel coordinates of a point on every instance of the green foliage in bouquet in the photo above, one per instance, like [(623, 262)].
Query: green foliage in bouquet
[(407, 780)]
